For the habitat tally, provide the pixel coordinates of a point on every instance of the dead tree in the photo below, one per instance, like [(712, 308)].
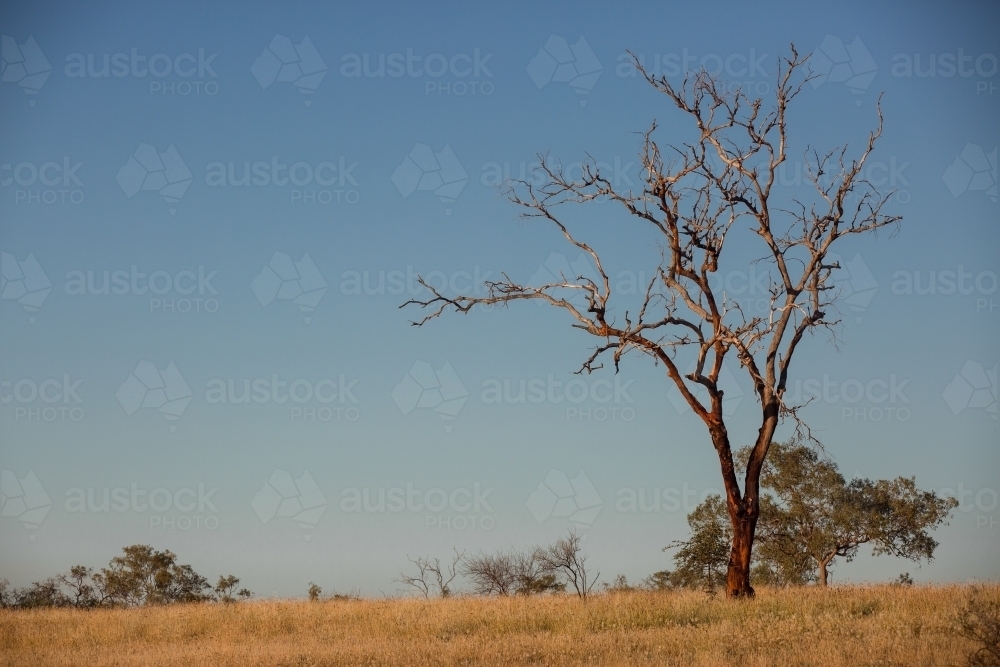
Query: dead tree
[(695, 195), (432, 575), (492, 573), (566, 558)]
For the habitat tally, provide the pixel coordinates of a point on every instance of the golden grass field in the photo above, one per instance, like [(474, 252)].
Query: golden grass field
[(837, 627)]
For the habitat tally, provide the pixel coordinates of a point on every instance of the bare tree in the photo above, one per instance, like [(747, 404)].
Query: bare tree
[(566, 558), (431, 573), (82, 591), (693, 197), (512, 572), (492, 573), (533, 575)]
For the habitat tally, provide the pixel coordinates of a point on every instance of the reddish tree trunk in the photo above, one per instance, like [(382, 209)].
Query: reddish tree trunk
[(738, 574), (743, 512)]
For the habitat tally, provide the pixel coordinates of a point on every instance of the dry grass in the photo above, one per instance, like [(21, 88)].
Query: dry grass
[(844, 626)]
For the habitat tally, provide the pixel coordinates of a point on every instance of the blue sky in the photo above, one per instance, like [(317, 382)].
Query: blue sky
[(198, 93)]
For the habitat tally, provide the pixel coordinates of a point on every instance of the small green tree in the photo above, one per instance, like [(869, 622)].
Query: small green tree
[(658, 581), (225, 590), (314, 592), (703, 559), (810, 516), (144, 576), (46, 593), (140, 576), (813, 512)]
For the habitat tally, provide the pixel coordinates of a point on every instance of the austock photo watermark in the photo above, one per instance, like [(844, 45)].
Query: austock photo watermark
[(184, 508), (24, 282), (283, 61), (405, 282), (285, 497), (973, 287), (980, 503), (190, 73), (834, 60), (148, 387), (586, 399), (880, 399), (979, 69), (324, 400), (149, 170), (326, 182), (24, 499), (621, 172), (888, 177), (426, 170), (442, 173), (559, 497), (458, 508), (25, 66), (425, 388), (55, 181), (188, 291), (656, 500), (463, 74), (184, 74), (560, 62), (55, 399), (301, 499), (285, 279), (744, 71), (973, 388), (973, 170)]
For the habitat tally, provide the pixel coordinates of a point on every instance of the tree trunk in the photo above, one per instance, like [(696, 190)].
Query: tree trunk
[(738, 574), (823, 573), (743, 512)]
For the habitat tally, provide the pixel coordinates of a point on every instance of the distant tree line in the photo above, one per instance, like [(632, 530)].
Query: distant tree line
[(810, 517), (543, 569), (140, 576)]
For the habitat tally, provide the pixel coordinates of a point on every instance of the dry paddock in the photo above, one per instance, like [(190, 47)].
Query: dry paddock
[(838, 627)]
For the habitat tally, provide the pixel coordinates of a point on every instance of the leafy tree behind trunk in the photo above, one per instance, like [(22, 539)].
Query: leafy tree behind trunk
[(809, 517)]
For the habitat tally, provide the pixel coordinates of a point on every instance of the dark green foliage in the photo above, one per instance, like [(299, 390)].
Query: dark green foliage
[(225, 590), (314, 592), (140, 576), (658, 581), (809, 516), (703, 559), (146, 576)]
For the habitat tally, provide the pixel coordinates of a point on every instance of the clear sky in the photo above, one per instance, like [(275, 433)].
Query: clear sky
[(208, 202)]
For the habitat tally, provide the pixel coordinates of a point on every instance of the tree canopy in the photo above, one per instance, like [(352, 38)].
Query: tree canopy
[(810, 516)]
